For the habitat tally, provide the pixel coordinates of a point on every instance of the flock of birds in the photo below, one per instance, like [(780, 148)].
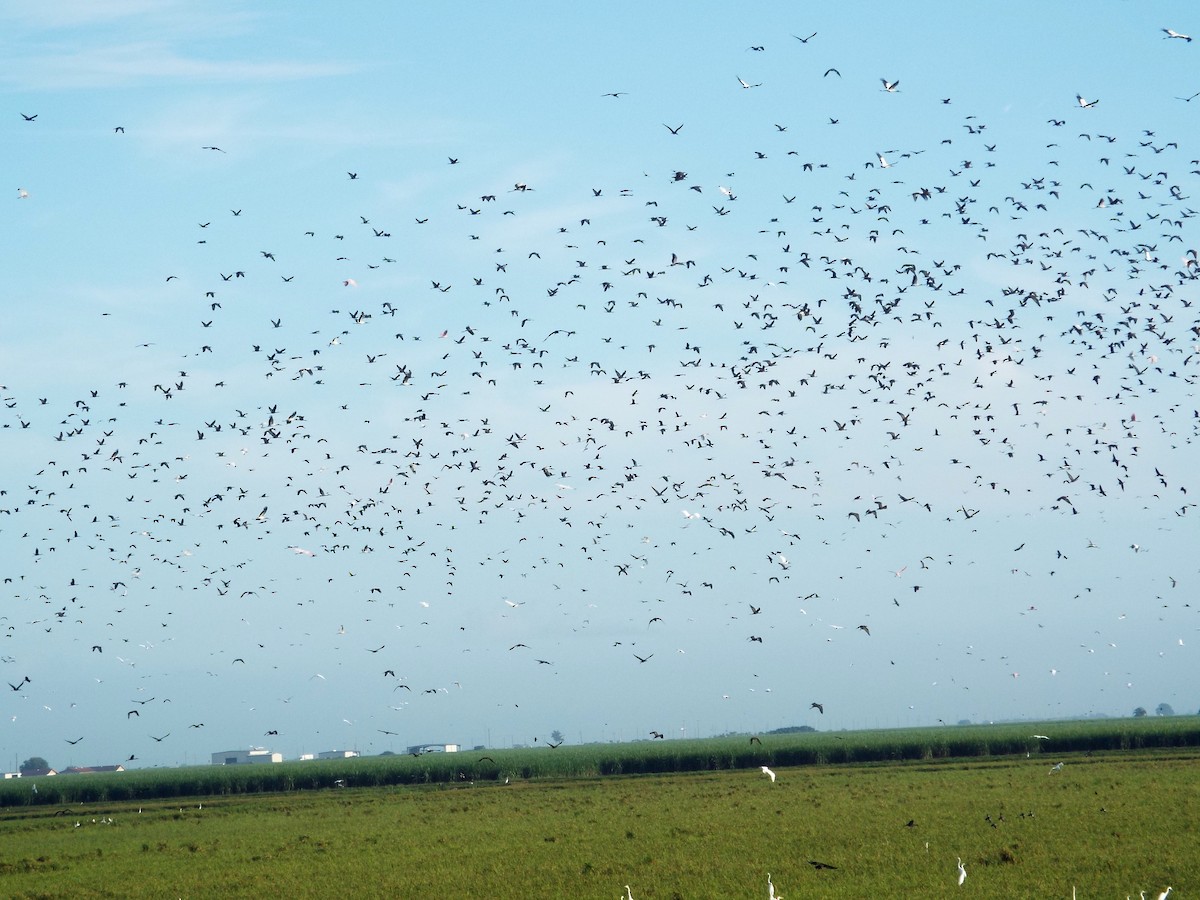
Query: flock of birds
[(798, 406)]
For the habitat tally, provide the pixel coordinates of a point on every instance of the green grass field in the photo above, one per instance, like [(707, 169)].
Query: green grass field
[(1109, 824)]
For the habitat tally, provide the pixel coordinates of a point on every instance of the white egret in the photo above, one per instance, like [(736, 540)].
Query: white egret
[(768, 773), (962, 872)]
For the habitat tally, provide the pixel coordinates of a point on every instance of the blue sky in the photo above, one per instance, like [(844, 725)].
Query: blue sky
[(516, 362)]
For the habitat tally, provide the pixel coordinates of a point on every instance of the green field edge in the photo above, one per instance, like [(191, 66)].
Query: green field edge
[(892, 746)]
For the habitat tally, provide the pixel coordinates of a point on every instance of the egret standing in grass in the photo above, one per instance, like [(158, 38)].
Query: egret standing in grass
[(962, 872), (768, 773)]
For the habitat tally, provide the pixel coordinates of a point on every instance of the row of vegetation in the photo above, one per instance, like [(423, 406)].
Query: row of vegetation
[(597, 760)]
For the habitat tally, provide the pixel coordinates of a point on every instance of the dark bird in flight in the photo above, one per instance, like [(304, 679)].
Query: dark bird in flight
[(819, 707), (73, 742), (642, 659), (29, 118), (673, 130)]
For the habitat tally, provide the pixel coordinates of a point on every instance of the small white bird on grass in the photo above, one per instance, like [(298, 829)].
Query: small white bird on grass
[(771, 895), (1056, 768), (962, 872), (768, 773)]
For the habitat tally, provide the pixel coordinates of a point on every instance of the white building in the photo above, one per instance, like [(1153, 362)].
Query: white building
[(418, 749), (242, 757), (337, 754)]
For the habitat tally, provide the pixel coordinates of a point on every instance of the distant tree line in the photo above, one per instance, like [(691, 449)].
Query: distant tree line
[(1163, 709)]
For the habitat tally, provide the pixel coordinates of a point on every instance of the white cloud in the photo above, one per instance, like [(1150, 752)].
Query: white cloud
[(129, 64)]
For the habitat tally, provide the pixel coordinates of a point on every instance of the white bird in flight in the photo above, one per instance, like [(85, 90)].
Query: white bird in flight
[(1086, 104)]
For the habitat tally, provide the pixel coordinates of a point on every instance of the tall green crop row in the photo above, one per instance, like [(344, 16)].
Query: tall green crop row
[(599, 760)]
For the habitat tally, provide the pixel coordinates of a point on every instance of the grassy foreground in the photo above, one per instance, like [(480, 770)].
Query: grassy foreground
[(1110, 825)]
